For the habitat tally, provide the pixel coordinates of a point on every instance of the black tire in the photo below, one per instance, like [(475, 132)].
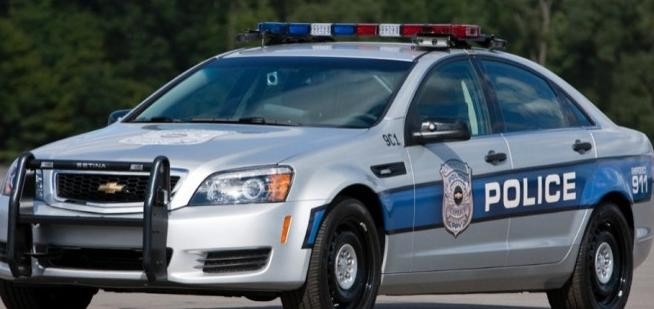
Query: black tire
[(41, 297), (347, 228), (609, 286)]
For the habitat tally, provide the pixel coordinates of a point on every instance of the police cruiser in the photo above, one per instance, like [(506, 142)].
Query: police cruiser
[(326, 173)]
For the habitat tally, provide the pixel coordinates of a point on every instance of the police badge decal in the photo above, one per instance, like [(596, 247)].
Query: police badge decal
[(457, 196)]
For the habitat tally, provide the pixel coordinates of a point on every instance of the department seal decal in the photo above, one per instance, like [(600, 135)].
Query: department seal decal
[(457, 196)]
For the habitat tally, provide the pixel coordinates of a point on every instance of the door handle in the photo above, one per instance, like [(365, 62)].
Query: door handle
[(582, 147), (495, 157)]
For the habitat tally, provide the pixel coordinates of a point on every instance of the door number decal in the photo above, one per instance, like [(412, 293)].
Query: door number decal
[(391, 140)]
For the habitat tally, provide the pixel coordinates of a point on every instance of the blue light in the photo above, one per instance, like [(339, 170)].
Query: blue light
[(299, 29), (344, 29), (273, 27)]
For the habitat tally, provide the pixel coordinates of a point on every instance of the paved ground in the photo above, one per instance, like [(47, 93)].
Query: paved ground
[(641, 298)]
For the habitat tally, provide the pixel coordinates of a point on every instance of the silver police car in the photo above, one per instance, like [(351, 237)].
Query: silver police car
[(326, 173)]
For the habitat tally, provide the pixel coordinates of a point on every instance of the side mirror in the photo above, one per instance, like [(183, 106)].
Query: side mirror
[(433, 131), (117, 115)]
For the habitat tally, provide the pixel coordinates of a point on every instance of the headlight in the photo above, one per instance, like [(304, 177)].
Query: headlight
[(263, 185), (9, 179)]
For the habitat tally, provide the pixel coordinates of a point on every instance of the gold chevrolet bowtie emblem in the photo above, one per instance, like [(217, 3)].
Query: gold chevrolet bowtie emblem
[(111, 188)]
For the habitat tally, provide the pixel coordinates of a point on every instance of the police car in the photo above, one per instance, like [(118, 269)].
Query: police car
[(327, 172)]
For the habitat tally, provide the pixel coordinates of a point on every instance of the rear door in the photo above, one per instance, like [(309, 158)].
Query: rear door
[(550, 145), (450, 230)]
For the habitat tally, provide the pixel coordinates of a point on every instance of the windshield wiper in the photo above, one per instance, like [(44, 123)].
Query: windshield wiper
[(246, 120), (253, 120), (157, 119), (211, 120)]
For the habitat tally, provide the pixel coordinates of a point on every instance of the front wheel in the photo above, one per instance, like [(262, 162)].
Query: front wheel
[(345, 266), (44, 297), (604, 269)]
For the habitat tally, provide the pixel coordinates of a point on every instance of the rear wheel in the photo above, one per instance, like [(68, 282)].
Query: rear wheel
[(604, 269), (345, 265), (40, 297)]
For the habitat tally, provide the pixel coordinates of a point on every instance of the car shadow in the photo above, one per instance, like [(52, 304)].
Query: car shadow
[(419, 306)]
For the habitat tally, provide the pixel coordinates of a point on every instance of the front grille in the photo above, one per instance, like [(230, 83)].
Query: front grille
[(95, 259), (82, 188), (236, 260)]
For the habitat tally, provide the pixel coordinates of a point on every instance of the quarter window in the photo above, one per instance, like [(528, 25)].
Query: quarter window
[(451, 92), (527, 102)]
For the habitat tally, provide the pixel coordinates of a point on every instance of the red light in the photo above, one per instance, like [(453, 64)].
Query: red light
[(439, 29), (466, 31), (411, 29), (459, 31), (367, 29)]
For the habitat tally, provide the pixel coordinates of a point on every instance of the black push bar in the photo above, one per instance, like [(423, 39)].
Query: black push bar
[(19, 235), (155, 221), (155, 212)]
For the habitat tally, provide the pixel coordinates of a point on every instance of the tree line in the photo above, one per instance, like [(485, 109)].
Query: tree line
[(64, 65)]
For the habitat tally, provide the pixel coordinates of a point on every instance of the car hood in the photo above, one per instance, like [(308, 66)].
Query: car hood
[(189, 146)]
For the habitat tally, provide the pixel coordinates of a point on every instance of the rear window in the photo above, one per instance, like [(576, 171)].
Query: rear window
[(527, 101), (310, 91)]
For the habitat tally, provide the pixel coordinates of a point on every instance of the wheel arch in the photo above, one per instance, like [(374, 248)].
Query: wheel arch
[(624, 205), (372, 202)]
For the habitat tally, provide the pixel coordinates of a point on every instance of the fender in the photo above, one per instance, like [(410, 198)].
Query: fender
[(631, 177)]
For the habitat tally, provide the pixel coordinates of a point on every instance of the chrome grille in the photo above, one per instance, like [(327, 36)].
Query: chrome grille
[(83, 188)]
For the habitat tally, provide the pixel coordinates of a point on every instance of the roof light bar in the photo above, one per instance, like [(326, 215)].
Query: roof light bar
[(457, 31), (424, 35)]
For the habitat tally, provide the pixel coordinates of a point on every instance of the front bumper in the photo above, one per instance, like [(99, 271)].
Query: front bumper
[(643, 230), (192, 233)]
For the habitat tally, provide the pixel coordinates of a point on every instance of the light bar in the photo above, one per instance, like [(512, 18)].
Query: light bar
[(455, 31)]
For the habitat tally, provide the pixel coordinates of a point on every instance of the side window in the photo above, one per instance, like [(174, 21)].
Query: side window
[(576, 118), (527, 102), (451, 92)]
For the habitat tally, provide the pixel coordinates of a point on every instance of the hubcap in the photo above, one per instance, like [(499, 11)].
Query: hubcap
[(604, 263), (346, 266)]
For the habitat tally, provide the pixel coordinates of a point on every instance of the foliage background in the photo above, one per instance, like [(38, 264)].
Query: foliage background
[(64, 65)]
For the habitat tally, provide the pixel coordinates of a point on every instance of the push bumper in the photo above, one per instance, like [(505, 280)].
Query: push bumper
[(192, 239)]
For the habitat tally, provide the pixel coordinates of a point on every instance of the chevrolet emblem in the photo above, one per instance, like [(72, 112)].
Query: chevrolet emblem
[(111, 188)]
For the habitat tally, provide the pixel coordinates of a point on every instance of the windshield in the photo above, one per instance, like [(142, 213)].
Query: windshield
[(308, 91)]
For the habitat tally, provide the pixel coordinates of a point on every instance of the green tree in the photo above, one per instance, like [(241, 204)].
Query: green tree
[(65, 64)]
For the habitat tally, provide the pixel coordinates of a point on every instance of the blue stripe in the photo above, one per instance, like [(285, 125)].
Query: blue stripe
[(594, 179)]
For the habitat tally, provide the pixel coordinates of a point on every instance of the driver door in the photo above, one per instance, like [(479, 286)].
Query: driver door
[(451, 228)]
